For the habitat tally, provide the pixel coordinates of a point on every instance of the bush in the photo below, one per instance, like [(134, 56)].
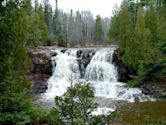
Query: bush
[(15, 109), (75, 107)]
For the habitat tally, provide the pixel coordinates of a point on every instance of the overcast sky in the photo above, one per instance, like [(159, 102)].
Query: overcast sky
[(102, 7)]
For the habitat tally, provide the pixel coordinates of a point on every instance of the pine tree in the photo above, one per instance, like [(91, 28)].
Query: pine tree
[(98, 29), (151, 23), (38, 30), (14, 33), (75, 106), (59, 27), (48, 14)]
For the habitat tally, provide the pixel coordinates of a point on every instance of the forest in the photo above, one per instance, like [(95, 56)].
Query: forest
[(137, 27), (139, 30)]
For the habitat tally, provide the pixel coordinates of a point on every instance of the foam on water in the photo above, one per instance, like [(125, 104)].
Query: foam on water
[(65, 72), (103, 75)]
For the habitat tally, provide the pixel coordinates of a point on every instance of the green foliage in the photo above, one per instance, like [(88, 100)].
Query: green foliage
[(151, 23), (17, 23), (76, 104), (48, 16), (75, 107), (15, 109), (98, 30), (38, 30), (53, 117), (61, 40), (150, 121), (140, 34), (14, 35), (162, 47)]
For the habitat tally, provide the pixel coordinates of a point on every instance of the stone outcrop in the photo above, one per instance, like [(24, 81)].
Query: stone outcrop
[(41, 68), (123, 72), (84, 58)]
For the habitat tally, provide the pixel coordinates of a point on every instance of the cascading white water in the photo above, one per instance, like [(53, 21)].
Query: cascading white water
[(65, 72), (100, 68), (103, 76), (100, 73)]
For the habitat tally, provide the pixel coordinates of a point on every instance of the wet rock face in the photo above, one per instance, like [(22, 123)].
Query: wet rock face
[(84, 57), (155, 90), (123, 72), (41, 68)]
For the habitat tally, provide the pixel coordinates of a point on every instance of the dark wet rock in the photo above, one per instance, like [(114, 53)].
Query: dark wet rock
[(84, 58), (157, 90), (63, 50), (79, 53), (153, 81), (146, 91), (39, 83), (41, 68), (123, 72)]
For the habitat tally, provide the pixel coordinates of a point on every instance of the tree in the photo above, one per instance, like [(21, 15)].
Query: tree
[(138, 29), (21, 27), (36, 5), (143, 39), (98, 29), (59, 27), (48, 14), (105, 25), (151, 23), (15, 108), (38, 31), (76, 105)]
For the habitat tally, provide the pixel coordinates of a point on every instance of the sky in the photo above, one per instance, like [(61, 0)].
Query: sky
[(101, 7)]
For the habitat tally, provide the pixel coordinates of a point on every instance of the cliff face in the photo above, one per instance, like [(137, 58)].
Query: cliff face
[(123, 72), (41, 68)]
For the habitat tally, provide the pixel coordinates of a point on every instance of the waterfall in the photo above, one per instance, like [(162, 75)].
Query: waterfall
[(65, 72), (103, 76), (100, 73), (101, 68)]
